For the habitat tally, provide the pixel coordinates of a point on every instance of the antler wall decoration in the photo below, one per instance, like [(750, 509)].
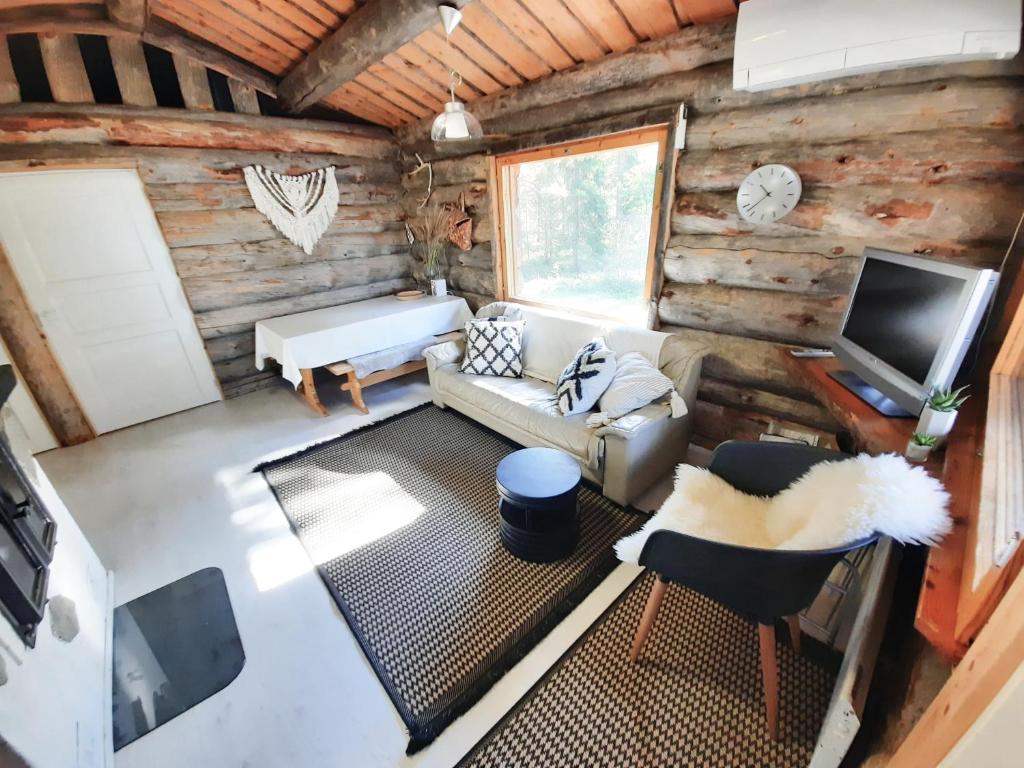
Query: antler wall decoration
[(430, 178)]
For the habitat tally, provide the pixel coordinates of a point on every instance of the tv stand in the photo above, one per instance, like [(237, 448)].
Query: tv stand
[(870, 395)]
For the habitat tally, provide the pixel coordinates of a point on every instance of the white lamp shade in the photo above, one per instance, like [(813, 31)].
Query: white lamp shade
[(455, 124), (450, 17)]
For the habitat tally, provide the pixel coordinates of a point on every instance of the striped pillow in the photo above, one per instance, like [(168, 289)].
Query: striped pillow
[(636, 384)]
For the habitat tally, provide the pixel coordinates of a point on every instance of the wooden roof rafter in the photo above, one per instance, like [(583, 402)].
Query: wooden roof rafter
[(387, 61)]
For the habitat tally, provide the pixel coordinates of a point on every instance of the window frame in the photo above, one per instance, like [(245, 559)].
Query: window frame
[(503, 200)]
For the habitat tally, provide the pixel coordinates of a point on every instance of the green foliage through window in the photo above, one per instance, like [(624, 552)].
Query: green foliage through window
[(581, 228)]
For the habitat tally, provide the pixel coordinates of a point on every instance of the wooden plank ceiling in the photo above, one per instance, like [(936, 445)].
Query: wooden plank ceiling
[(501, 43), (504, 43)]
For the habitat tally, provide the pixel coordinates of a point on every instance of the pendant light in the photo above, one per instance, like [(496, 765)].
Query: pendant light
[(455, 123)]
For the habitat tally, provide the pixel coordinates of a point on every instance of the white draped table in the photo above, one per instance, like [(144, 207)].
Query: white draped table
[(321, 337)]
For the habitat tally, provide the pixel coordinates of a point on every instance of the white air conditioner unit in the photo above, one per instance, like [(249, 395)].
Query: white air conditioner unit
[(786, 42)]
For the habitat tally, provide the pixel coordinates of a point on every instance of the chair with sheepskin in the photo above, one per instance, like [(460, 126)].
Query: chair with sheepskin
[(759, 532)]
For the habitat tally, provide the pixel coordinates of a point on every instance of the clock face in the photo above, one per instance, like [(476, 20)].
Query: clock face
[(768, 194)]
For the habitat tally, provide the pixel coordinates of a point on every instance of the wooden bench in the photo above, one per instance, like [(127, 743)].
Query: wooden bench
[(355, 385)]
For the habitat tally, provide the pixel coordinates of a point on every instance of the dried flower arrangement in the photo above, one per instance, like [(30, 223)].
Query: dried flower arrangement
[(431, 230)]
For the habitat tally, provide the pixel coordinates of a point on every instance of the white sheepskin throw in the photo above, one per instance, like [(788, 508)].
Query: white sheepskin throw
[(835, 503), (300, 207)]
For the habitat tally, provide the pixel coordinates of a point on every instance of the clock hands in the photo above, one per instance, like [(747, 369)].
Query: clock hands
[(751, 206)]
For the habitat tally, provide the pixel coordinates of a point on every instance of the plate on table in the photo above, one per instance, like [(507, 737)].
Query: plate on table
[(409, 295)]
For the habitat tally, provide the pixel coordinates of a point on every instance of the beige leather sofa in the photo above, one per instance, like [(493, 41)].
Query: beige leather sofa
[(625, 457)]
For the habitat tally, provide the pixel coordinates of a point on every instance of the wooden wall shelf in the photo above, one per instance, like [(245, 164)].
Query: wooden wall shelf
[(958, 467)]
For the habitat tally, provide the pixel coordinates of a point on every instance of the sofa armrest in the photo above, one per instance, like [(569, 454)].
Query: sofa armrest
[(640, 448), (681, 360), (445, 352)]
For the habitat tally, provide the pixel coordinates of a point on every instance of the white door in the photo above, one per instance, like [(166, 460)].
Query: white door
[(92, 261)]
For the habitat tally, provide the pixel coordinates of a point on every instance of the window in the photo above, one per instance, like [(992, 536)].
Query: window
[(578, 222)]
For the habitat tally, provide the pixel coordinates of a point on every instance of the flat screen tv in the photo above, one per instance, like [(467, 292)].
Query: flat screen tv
[(908, 325)]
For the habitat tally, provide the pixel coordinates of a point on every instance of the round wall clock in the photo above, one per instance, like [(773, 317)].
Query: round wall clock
[(768, 194)]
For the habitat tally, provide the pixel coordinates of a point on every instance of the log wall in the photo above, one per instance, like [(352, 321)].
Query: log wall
[(927, 160), (234, 266)]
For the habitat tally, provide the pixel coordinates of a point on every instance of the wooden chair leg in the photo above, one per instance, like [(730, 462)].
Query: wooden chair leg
[(794, 631), (770, 675), (356, 389), (309, 392), (647, 620)]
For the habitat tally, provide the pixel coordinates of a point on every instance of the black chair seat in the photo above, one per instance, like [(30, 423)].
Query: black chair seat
[(760, 584)]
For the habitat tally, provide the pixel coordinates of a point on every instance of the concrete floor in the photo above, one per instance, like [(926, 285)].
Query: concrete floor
[(166, 498)]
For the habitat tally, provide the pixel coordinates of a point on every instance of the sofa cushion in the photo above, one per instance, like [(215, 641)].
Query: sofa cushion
[(528, 403), (494, 347), (636, 384), (585, 378), (551, 340)]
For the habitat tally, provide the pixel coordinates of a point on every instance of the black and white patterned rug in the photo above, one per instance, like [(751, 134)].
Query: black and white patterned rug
[(693, 699), (401, 520)]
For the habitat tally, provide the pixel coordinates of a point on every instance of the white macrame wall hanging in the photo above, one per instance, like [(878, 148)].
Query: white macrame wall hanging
[(300, 207)]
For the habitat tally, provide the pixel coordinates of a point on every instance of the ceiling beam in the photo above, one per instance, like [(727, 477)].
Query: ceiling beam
[(89, 20), (130, 14), (168, 37), (377, 29), (86, 20)]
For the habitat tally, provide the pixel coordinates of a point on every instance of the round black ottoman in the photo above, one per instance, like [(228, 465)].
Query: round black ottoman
[(537, 501)]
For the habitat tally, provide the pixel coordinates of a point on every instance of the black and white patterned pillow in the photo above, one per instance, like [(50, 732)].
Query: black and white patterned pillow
[(585, 379), (494, 347)]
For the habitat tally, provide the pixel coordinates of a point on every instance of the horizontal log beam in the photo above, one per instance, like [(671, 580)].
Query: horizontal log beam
[(159, 127), (216, 196), (168, 165), (130, 14), (58, 19), (945, 105), (769, 315), (743, 360), (205, 260), (223, 322), (239, 288), (940, 213), (925, 157), (748, 398), (714, 424), (979, 253), (242, 225), (792, 270)]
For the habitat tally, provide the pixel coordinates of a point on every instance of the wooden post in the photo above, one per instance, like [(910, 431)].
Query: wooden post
[(31, 354), (131, 71), (195, 86), (65, 69), (244, 98), (10, 91)]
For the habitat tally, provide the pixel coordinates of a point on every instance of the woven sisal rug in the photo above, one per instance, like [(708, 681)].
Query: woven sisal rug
[(693, 699), (401, 520)]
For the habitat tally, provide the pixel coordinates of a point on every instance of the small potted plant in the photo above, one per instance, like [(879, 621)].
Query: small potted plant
[(920, 447), (939, 413)]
